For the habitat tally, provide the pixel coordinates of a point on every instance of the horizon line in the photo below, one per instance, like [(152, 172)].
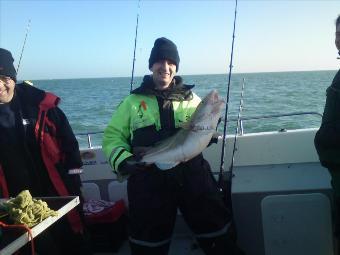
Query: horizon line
[(116, 77)]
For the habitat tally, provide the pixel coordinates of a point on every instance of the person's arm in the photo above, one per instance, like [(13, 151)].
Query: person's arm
[(68, 143), (71, 164), (328, 135), (116, 138)]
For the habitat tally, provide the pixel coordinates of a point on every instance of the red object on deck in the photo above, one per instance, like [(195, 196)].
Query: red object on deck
[(107, 215)]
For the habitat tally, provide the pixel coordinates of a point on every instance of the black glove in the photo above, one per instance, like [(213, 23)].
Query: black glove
[(213, 140), (129, 166)]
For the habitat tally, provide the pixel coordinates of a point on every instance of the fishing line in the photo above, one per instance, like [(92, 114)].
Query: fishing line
[(222, 178), (134, 51), (23, 46)]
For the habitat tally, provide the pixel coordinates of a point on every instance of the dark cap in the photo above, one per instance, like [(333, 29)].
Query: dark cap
[(6, 64), (164, 49)]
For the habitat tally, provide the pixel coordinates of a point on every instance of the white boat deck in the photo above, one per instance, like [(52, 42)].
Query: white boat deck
[(282, 198)]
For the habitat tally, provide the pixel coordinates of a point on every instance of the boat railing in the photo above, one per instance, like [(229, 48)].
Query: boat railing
[(88, 135), (271, 116), (240, 120)]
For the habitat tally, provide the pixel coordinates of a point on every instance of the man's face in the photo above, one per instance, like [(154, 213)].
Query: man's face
[(163, 71), (337, 37), (6, 89)]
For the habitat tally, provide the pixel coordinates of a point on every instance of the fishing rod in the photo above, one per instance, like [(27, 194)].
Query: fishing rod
[(228, 185), (134, 51), (23, 46), (224, 179), (239, 124)]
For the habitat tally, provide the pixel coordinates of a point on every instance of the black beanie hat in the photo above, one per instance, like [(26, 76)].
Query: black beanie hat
[(164, 49), (6, 64)]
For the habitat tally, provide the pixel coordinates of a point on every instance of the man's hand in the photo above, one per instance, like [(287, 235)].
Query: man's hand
[(130, 166)]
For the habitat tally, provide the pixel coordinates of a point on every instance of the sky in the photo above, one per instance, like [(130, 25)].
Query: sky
[(93, 39)]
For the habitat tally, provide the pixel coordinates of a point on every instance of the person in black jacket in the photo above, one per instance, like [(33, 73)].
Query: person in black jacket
[(39, 153), (327, 138)]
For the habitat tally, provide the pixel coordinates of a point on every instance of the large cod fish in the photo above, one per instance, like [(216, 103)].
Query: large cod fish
[(190, 140)]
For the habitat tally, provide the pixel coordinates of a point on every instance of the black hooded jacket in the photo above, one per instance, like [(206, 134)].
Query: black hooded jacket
[(327, 138)]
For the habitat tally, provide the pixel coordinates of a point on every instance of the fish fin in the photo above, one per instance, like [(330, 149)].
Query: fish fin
[(166, 166)]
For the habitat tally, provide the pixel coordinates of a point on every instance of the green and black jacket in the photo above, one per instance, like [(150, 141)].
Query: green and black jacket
[(146, 117)]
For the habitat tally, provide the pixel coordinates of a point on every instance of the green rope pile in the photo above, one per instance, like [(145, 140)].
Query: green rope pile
[(23, 209)]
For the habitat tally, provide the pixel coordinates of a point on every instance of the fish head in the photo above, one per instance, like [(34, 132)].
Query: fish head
[(214, 102), (211, 103), (208, 111)]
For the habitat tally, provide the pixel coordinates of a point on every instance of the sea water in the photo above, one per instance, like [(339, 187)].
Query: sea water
[(89, 103)]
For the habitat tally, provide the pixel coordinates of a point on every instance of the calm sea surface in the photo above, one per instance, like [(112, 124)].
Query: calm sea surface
[(89, 103)]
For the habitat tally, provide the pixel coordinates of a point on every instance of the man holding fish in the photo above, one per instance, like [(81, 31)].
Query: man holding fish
[(155, 139)]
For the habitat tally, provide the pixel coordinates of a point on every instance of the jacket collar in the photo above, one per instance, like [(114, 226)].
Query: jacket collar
[(177, 90)]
